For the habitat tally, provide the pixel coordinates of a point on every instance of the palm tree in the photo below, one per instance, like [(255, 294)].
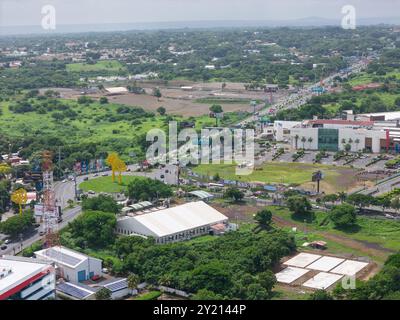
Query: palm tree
[(357, 141), (310, 140), (296, 139), (303, 139), (395, 204), (350, 143), (342, 196), (133, 281)]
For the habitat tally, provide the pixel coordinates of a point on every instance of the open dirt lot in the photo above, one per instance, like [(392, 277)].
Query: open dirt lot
[(195, 100), (174, 106)]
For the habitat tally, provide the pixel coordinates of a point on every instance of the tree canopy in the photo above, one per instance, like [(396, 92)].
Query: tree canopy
[(145, 189), (93, 228)]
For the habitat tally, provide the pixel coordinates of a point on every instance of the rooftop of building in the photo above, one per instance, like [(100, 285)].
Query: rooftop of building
[(63, 256), (16, 270), (180, 218), (340, 122)]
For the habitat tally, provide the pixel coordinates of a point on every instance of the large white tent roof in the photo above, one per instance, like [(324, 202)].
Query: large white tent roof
[(180, 218)]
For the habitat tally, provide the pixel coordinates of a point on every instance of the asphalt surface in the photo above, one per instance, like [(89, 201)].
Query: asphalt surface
[(15, 246), (295, 100)]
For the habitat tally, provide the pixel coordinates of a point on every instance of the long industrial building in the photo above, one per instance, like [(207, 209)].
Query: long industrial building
[(26, 279), (174, 224)]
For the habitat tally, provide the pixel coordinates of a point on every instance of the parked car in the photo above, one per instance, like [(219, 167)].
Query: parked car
[(85, 178), (3, 247), (7, 241), (96, 277), (41, 233)]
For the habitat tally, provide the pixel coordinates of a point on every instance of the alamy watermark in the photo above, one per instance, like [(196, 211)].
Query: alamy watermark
[(215, 146), (48, 17), (349, 18)]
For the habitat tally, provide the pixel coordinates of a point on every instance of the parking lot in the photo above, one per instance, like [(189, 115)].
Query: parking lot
[(309, 157)]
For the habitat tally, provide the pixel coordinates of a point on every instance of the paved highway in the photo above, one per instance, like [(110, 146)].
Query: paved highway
[(15, 247), (296, 100)]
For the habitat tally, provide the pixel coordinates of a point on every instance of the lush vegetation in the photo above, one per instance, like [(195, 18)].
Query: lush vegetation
[(236, 265), (101, 203), (148, 189), (93, 228), (385, 285), (18, 224)]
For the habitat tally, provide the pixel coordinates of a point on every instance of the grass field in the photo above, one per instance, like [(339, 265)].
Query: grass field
[(374, 230), (339, 178), (111, 65), (105, 184), (365, 78), (152, 295)]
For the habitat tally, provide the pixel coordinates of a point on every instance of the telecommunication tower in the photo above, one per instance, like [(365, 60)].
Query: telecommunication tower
[(50, 210)]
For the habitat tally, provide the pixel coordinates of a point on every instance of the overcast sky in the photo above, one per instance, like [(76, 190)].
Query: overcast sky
[(28, 12)]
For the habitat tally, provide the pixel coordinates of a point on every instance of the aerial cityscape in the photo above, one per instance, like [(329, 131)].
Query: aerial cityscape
[(244, 156)]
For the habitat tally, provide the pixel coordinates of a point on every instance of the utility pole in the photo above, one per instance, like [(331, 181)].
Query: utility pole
[(59, 158), (75, 188)]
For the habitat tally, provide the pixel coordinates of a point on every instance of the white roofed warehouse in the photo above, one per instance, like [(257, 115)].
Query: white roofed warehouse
[(174, 224), (72, 266)]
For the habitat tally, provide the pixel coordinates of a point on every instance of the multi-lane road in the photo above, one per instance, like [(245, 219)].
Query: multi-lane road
[(295, 100)]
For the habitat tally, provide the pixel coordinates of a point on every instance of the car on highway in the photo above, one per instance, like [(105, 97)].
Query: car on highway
[(41, 233), (3, 247), (96, 175), (64, 181), (91, 192), (85, 178), (104, 175)]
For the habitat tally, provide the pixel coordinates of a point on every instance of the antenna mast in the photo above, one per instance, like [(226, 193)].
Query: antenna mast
[(50, 210)]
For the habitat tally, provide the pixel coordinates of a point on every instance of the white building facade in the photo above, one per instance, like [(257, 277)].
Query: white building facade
[(338, 136), (72, 266)]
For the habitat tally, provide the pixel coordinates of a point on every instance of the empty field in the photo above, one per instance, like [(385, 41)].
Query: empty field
[(335, 179), (177, 106), (111, 65), (105, 184)]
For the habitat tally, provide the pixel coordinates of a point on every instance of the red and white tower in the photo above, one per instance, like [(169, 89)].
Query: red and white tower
[(50, 210)]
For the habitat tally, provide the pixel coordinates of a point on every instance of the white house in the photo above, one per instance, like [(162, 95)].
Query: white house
[(72, 266)]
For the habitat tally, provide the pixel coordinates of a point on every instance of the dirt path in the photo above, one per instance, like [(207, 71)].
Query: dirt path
[(369, 248)]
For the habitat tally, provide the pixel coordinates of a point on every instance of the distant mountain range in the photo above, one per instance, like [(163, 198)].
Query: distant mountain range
[(304, 22)]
